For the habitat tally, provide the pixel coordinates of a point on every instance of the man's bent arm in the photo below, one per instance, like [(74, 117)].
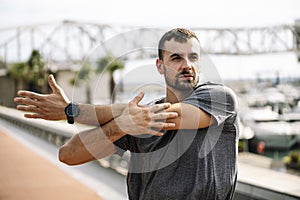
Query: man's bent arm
[(90, 145), (98, 143)]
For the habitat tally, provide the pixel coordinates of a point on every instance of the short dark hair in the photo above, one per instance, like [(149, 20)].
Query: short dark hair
[(179, 35)]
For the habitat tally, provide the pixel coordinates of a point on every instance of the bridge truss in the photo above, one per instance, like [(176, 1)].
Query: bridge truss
[(71, 41)]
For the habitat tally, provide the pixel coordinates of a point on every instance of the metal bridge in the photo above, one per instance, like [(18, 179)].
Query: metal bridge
[(72, 41)]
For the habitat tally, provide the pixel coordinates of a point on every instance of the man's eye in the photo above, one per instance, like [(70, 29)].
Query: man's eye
[(194, 58), (176, 58)]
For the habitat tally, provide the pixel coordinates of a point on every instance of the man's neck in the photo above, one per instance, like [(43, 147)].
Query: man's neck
[(176, 96)]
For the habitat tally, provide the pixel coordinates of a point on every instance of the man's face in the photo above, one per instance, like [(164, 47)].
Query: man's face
[(180, 64)]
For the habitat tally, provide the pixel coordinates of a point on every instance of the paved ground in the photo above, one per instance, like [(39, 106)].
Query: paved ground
[(26, 175)]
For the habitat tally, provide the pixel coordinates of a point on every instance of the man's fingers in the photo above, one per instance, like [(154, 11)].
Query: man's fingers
[(52, 82), (162, 125), (28, 94), (164, 116), (34, 116), (30, 108), (159, 134), (26, 101), (136, 100), (153, 132), (159, 107)]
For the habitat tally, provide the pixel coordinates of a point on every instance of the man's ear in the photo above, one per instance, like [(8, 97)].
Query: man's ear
[(160, 66)]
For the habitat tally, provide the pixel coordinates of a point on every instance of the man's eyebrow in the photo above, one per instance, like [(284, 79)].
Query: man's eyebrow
[(194, 54), (175, 55)]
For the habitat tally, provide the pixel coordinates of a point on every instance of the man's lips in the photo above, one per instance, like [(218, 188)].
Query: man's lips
[(187, 76)]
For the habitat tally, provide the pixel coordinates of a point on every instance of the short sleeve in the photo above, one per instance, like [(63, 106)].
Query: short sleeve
[(217, 100), (122, 145)]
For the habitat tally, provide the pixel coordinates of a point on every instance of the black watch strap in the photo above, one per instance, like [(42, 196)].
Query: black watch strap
[(70, 120)]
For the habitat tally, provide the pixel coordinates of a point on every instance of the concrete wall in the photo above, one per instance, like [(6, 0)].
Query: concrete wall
[(99, 87), (7, 91)]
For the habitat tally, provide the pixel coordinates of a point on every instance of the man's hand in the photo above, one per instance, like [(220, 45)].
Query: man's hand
[(137, 120), (44, 106)]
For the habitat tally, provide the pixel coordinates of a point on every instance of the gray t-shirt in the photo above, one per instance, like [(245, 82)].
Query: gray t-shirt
[(188, 164)]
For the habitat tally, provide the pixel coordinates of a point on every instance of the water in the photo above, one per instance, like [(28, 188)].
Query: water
[(216, 67), (263, 66)]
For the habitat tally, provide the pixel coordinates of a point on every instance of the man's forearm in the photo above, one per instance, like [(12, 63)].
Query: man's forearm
[(92, 144), (98, 115)]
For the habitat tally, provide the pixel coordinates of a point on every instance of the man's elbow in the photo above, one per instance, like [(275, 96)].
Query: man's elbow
[(65, 156)]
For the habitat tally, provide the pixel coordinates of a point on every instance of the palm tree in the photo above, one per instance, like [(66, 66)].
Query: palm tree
[(30, 75), (19, 73), (84, 76), (2, 64), (38, 74), (110, 64)]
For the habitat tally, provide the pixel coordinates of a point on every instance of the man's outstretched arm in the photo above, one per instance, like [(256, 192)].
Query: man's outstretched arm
[(52, 106)]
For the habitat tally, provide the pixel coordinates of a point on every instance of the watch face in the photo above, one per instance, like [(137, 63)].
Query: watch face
[(72, 110)]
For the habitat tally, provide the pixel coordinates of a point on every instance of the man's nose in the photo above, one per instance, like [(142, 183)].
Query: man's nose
[(186, 65)]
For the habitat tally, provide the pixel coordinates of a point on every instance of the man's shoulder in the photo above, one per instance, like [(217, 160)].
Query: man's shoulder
[(216, 92), (214, 87)]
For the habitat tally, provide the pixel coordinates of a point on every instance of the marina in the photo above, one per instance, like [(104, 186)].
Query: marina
[(272, 113)]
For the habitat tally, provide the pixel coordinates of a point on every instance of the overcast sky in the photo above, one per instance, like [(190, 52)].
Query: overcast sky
[(166, 13)]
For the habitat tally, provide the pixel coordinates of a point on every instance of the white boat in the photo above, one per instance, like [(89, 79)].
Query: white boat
[(294, 119), (270, 131)]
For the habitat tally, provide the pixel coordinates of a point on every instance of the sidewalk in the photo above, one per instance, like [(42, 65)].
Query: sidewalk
[(27, 176)]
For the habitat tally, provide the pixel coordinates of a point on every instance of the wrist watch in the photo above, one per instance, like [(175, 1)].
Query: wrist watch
[(72, 111)]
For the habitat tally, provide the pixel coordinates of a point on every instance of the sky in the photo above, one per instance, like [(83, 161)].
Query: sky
[(170, 13), (162, 13)]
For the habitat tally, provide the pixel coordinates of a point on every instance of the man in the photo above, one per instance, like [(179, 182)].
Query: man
[(182, 146)]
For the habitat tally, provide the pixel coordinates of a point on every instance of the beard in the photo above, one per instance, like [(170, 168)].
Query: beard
[(183, 85)]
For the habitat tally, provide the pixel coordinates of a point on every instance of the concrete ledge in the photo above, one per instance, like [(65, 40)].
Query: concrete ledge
[(255, 180), (263, 180), (57, 132), (248, 191)]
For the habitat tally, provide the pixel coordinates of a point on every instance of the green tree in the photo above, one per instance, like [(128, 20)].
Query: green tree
[(2, 63), (84, 76), (30, 75), (19, 72), (38, 74), (110, 64), (86, 73)]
